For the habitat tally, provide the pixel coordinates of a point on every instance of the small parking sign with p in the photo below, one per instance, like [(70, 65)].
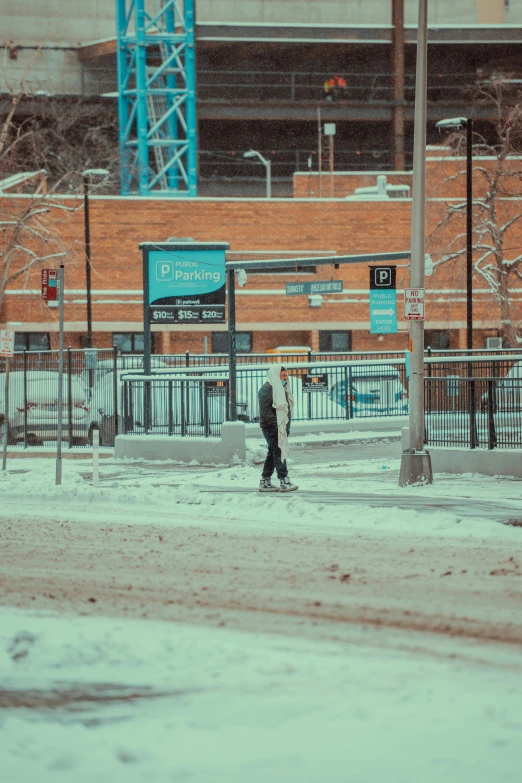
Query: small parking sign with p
[(382, 277)]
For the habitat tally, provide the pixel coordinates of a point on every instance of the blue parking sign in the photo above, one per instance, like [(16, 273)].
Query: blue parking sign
[(383, 311), (383, 300)]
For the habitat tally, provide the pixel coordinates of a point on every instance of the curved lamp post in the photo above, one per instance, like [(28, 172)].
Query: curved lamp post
[(449, 124)]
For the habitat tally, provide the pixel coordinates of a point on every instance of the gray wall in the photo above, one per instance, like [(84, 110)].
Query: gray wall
[(60, 26), (370, 12)]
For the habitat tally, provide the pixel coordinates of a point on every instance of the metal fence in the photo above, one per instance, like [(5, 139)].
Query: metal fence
[(351, 385), (89, 383), (473, 412), (175, 402), (368, 88), (174, 406)]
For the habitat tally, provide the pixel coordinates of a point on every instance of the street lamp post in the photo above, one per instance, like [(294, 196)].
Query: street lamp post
[(458, 122), (416, 461), (87, 174), (268, 166)]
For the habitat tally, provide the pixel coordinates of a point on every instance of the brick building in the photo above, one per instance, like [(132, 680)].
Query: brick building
[(266, 317)]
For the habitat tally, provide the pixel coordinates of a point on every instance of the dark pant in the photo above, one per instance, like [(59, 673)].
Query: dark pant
[(273, 458)]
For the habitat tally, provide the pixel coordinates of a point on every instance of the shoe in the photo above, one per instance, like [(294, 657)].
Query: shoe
[(265, 485), (287, 486)]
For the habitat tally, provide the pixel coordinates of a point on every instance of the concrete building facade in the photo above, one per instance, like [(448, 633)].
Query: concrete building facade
[(261, 65)]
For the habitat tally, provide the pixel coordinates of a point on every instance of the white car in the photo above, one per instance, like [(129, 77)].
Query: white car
[(33, 406), (170, 402)]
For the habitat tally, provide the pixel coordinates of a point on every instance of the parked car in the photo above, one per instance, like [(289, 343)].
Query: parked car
[(34, 396), (163, 414), (375, 390), (89, 378)]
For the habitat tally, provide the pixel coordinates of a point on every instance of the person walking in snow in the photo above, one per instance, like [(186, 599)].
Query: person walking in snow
[(275, 413)]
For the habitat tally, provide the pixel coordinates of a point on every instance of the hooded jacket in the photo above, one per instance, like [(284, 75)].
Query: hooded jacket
[(275, 407)]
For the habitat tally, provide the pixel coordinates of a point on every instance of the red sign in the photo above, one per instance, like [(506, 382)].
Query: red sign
[(49, 285)]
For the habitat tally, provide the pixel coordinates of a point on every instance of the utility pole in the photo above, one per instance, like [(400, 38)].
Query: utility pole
[(331, 163), (61, 291), (469, 233), (416, 461), (319, 149), (87, 227)]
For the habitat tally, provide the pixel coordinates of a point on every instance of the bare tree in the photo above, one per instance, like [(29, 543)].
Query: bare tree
[(63, 135), (30, 235), (28, 226), (497, 170), (59, 138)]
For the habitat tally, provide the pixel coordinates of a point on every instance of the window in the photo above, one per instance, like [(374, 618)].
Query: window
[(32, 341), (220, 342), (128, 342), (335, 341), (493, 342), (437, 339)]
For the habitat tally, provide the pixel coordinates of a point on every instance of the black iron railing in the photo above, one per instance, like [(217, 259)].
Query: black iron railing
[(473, 412), (181, 405), (353, 384)]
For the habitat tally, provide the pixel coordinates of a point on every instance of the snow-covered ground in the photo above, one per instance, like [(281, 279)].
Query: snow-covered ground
[(175, 624), (225, 706)]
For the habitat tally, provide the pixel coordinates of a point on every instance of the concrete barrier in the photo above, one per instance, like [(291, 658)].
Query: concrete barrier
[(226, 450), (378, 424), (488, 462)]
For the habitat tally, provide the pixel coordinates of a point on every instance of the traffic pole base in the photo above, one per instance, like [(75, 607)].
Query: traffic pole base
[(415, 468)]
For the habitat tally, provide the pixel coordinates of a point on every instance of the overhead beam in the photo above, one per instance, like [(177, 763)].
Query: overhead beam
[(306, 263)]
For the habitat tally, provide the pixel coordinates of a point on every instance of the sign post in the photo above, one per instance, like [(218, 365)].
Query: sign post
[(7, 350), (383, 300), (183, 283), (61, 294), (416, 461)]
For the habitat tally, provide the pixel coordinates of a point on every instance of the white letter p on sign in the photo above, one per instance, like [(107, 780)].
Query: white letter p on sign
[(164, 270)]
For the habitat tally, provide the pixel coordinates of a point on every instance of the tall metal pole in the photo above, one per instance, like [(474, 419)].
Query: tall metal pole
[(469, 232), (473, 439), (268, 164), (61, 289), (232, 390), (331, 163), (319, 150), (416, 463), (87, 258)]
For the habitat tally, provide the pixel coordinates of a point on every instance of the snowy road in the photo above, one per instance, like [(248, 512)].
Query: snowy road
[(155, 629), (257, 579)]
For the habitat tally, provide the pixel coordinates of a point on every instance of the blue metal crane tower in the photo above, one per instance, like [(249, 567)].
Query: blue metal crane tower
[(157, 97)]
